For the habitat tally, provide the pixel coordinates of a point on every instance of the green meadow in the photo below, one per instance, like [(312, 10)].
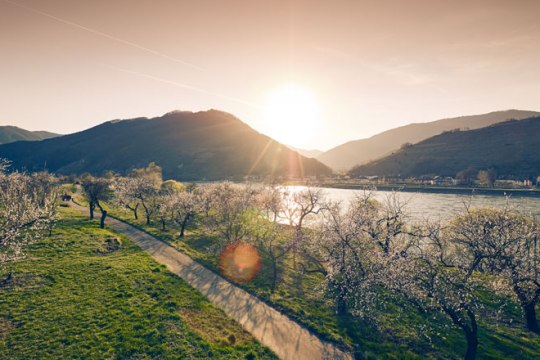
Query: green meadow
[(90, 293)]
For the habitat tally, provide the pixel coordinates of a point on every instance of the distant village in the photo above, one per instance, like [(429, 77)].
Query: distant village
[(481, 180)]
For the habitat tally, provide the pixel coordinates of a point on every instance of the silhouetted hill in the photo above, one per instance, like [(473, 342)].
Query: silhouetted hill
[(362, 151), (511, 147), (9, 134), (188, 146)]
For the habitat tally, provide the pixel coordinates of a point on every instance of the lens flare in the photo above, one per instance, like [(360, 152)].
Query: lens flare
[(239, 262)]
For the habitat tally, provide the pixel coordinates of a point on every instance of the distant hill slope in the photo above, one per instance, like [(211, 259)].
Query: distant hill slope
[(362, 151), (9, 134), (188, 146), (311, 153), (511, 147)]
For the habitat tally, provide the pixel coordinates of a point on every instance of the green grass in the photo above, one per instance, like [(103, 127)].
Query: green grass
[(91, 293), (400, 331)]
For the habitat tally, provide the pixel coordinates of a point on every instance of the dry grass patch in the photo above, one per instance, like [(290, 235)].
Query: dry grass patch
[(110, 244), (24, 282)]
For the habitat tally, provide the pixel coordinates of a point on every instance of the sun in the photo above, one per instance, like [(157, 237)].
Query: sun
[(292, 115)]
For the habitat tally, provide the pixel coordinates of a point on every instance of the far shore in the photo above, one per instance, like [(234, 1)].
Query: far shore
[(437, 189)]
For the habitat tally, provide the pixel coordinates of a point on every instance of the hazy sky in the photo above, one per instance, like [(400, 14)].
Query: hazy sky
[(66, 65)]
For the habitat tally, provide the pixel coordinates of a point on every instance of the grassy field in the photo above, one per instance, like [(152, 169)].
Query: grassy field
[(399, 333), (91, 293)]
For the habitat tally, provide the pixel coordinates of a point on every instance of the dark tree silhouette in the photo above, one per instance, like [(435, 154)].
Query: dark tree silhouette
[(96, 189)]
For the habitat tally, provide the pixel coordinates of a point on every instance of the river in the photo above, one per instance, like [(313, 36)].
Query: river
[(437, 206)]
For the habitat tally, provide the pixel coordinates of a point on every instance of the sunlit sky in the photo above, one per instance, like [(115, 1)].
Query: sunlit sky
[(353, 68)]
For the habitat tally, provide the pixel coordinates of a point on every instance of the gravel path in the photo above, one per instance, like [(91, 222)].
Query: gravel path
[(273, 329)]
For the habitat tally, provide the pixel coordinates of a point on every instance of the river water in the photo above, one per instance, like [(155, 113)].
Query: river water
[(437, 206)]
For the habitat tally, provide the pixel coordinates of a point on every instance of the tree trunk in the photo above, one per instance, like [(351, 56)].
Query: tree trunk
[(529, 310), (8, 278), (341, 305), (135, 213), (183, 226), (92, 207), (182, 230), (472, 346), (102, 220), (470, 331), (146, 212), (530, 318), (472, 336), (163, 225)]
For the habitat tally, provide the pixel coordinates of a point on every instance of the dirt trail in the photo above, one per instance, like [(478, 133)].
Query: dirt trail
[(273, 329)]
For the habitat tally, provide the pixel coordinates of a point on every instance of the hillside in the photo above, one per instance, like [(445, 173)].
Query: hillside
[(9, 134), (188, 146), (511, 147), (362, 151), (311, 153)]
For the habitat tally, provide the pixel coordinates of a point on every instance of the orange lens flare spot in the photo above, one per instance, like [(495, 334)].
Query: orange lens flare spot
[(239, 262)]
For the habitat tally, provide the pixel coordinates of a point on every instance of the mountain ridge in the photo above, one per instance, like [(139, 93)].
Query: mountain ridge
[(206, 145), (357, 152), (11, 133), (511, 148)]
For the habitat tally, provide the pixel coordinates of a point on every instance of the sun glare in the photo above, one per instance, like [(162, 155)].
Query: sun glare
[(292, 115)]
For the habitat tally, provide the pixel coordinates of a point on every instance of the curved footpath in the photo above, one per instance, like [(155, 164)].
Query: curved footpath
[(273, 329)]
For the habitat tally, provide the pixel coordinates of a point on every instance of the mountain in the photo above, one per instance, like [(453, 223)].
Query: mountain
[(512, 148), (188, 146), (362, 151), (10, 134), (312, 153)]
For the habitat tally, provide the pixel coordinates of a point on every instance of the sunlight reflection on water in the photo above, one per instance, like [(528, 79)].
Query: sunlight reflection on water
[(437, 206)]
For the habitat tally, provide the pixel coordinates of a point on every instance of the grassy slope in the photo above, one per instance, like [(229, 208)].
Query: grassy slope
[(72, 298), (398, 334)]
